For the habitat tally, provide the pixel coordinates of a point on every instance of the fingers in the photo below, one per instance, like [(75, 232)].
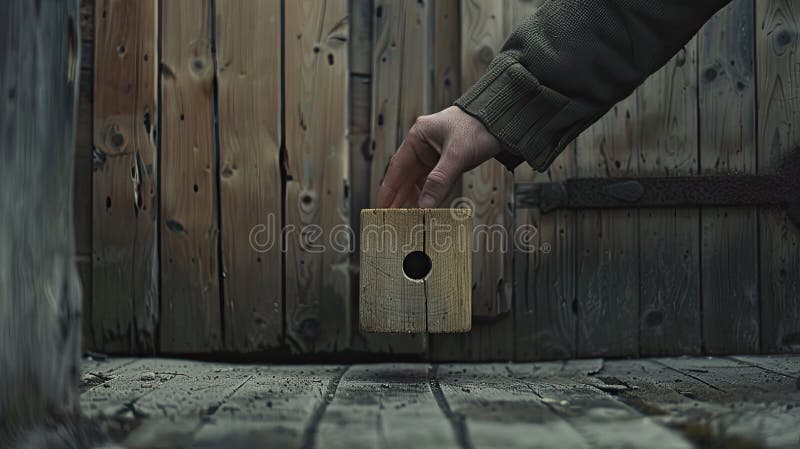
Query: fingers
[(398, 187), (439, 182), (393, 183)]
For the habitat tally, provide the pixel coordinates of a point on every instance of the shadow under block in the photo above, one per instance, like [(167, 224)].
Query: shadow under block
[(416, 270)]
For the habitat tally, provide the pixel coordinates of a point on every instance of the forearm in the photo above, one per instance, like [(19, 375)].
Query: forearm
[(566, 65)]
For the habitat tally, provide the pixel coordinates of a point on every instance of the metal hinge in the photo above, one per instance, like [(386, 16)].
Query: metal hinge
[(682, 191)]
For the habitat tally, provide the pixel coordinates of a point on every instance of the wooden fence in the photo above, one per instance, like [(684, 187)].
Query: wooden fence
[(209, 124)]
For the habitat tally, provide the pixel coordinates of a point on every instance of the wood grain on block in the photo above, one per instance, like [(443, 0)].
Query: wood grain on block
[(415, 270)]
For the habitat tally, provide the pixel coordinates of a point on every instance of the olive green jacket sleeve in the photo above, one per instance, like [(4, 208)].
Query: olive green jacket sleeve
[(569, 63)]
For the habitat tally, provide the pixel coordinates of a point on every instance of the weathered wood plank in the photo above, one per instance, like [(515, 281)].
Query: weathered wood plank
[(729, 255), (602, 420), (191, 311), (248, 69), (96, 372), (488, 187), (401, 82), (706, 414), (163, 388), (446, 55), (544, 263), (669, 240), (125, 204), (384, 406), (279, 407), (360, 117), (128, 384), (788, 364), (607, 278), (740, 381), (777, 37), (318, 299), (493, 410), (446, 66), (360, 58), (577, 415), (657, 389), (197, 389)]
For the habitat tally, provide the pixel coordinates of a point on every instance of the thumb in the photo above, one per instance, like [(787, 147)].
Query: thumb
[(439, 182)]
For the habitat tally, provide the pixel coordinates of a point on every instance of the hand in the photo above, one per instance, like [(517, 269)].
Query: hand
[(436, 151)]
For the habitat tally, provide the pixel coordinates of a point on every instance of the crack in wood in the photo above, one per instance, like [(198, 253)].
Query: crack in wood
[(310, 431), (457, 420)]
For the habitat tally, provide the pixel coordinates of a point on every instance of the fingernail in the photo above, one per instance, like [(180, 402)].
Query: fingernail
[(427, 201)]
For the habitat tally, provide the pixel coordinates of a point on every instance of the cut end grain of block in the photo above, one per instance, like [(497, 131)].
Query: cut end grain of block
[(416, 270)]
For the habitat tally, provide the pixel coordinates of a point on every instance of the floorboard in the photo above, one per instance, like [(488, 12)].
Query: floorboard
[(385, 406), (280, 406), (738, 401)]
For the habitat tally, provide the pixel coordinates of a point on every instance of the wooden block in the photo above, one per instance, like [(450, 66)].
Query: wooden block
[(416, 270)]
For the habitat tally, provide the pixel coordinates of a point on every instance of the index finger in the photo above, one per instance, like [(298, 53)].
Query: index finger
[(401, 176)]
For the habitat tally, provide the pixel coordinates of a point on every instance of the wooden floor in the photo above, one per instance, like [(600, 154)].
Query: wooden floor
[(724, 402)]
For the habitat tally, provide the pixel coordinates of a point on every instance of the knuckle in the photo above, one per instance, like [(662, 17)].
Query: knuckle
[(421, 125), (437, 177), (421, 121)]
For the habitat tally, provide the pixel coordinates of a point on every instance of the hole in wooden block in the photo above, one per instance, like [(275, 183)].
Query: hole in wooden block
[(402, 247), (417, 265)]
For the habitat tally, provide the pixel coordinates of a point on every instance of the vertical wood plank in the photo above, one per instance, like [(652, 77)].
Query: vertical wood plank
[(446, 55), (318, 298), (488, 186), (401, 82), (191, 320), (545, 315), (607, 284), (125, 207), (401, 91), (360, 57), (248, 68), (544, 253), (729, 255), (778, 75), (446, 66), (669, 238), (486, 190), (82, 181)]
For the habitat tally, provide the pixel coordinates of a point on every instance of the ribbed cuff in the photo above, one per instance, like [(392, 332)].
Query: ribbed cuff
[(532, 121)]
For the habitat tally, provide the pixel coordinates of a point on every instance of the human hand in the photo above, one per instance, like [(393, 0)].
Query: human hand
[(436, 151)]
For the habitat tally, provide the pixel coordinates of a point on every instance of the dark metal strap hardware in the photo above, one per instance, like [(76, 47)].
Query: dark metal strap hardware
[(682, 191)]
